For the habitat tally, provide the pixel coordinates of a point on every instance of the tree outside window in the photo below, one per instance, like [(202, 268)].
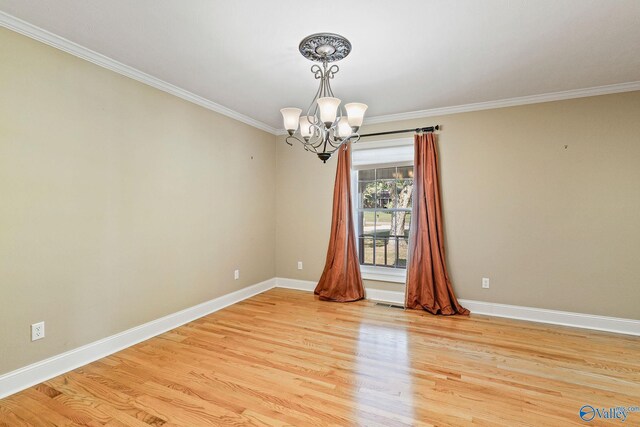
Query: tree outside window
[(384, 215)]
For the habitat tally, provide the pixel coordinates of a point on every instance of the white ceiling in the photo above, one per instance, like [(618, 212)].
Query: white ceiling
[(407, 55)]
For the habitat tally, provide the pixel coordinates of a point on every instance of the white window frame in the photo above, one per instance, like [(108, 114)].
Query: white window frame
[(369, 156)]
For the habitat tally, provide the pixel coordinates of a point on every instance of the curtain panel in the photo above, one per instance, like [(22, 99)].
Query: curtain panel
[(428, 285), (341, 280)]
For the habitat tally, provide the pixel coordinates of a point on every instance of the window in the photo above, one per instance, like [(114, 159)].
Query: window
[(383, 216), (382, 183)]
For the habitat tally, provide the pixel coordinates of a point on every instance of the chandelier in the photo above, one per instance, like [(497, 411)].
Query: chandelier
[(327, 125)]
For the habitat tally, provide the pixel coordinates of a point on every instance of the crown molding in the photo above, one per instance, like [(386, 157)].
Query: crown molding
[(509, 102), (44, 36), (501, 103)]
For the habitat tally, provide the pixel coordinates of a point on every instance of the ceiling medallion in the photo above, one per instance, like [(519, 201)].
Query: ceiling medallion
[(325, 47), (327, 126)]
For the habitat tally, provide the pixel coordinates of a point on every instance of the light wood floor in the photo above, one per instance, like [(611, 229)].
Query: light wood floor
[(285, 358)]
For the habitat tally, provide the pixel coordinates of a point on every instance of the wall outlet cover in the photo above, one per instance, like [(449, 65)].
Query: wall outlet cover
[(37, 331)]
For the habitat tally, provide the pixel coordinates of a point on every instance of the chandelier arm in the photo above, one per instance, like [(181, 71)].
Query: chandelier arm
[(329, 74), (324, 145), (314, 102), (343, 141), (318, 133), (295, 137), (335, 141), (329, 89), (328, 145), (334, 146), (354, 137), (314, 147), (307, 145), (317, 71), (316, 144), (332, 71), (314, 140)]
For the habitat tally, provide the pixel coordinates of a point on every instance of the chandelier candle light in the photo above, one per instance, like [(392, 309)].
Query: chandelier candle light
[(327, 125)]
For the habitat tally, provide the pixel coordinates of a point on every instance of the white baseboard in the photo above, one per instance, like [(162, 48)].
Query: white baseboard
[(44, 370), (555, 317), (300, 285), (381, 295), (372, 294)]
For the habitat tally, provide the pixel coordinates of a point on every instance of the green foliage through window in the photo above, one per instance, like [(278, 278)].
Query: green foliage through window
[(384, 215)]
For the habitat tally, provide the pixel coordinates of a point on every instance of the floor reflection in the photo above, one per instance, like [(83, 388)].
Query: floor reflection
[(383, 374)]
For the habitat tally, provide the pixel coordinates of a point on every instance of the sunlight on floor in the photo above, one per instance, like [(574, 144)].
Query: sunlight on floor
[(391, 385)]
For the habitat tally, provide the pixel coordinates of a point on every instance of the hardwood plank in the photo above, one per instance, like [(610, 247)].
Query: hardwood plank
[(285, 358)]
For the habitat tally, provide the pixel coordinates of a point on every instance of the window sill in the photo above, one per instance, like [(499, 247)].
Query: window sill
[(383, 274)]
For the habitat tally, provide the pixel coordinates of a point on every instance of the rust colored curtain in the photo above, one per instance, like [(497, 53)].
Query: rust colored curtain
[(341, 279), (428, 284)]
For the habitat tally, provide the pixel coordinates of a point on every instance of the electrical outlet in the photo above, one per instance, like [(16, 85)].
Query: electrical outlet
[(37, 331), (299, 265), (485, 283), (236, 274)]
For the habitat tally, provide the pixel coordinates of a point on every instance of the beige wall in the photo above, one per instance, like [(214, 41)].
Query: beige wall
[(551, 227), (119, 203)]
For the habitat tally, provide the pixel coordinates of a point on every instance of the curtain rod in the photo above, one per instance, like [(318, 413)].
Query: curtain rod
[(424, 129)]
